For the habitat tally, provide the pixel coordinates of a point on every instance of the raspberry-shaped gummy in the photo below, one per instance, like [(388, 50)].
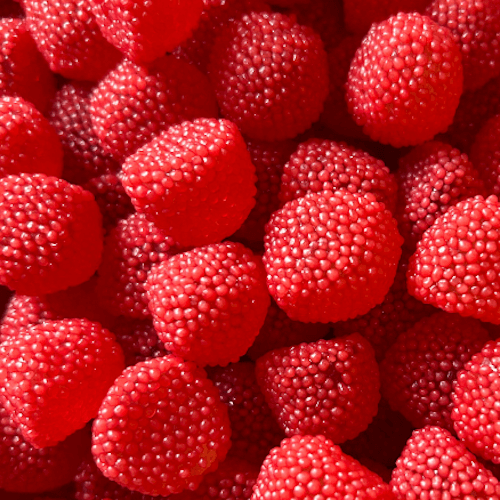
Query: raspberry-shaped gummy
[(209, 303), (110, 195), (485, 154), (328, 387), (28, 143), (419, 370), (233, 480), (312, 467), (195, 181), (268, 159), (475, 26), (138, 340), (134, 103), (359, 15), (84, 157), (475, 108), (67, 35), (405, 80), (26, 469), (51, 234), (335, 113), (279, 330), (270, 75), (322, 165), (23, 71), (476, 397), (54, 376), (144, 31), (74, 302), (253, 428), (436, 465), (161, 427), (331, 256), (456, 266), (431, 178), (130, 250), (382, 324), (90, 484), (216, 15)]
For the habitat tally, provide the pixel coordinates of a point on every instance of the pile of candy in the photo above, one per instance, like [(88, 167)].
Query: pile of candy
[(250, 249)]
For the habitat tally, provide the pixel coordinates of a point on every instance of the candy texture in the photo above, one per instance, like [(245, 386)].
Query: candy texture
[(475, 26), (457, 262), (405, 81), (23, 71), (153, 413), (27, 141), (436, 465), (329, 387), (51, 234), (432, 178), (195, 181), (144, 31), (24, 468), (269, 96), (209, 303), (84, 157), (67, 35), (475, 399), (254, 430), (313, 467), (66, 367), (419, 370), (485, 154), (331, 256), (134, 103), (279, 330), (322, 165), (132, 248)]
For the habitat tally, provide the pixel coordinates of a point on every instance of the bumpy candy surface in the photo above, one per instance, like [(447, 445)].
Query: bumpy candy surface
[(209, 303), (132, 248), (331, 256), (28, 143), (134, 103), (405, 81), (270, 75), (328, 387), (475, 399), (195, 181), (154, 413), (67, 35), (434, 464), (144, 31), (51, 233), (312, 467), (457, 262), (54, 376), (419, 370)]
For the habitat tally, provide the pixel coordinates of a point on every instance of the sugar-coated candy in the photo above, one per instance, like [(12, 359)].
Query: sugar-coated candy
[(51, 234), (270, 75), (328, 387), (405, 80), (209, 303), (54, 376), (28, 143), (67, 35), (154, 412), (313, 467), (195, 181), (331, 256)]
